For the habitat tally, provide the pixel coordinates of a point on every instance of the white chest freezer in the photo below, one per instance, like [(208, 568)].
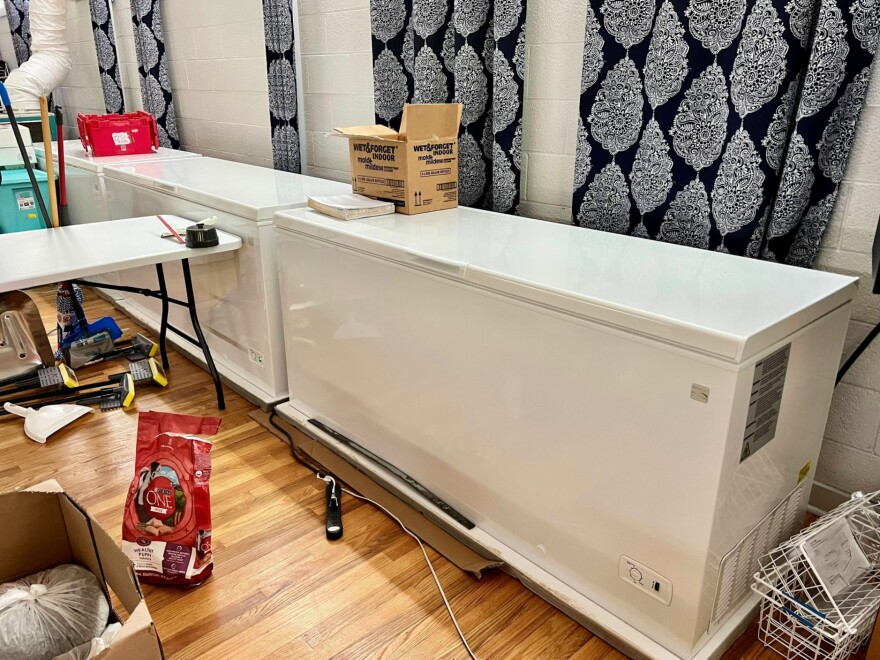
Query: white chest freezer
[(628, 424), (86, 195), (237, 293)]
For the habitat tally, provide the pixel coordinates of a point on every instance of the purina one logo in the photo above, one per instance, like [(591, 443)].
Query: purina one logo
[(159, 497)]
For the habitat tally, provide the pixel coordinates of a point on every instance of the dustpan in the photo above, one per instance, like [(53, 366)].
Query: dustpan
[(24, 346), (40, 424)]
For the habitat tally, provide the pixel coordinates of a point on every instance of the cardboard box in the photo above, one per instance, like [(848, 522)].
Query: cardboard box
[(416, 168), (45, 528)]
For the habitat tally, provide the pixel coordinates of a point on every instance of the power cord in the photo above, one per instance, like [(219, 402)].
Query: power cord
[(294, 451), (288, 439), (857, 352), (467, 647)]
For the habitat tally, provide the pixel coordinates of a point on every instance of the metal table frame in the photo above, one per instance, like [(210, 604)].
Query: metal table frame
[(161, 294), (75, 253)]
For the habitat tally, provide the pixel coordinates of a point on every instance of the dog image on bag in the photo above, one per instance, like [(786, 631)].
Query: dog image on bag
[(166, 529)]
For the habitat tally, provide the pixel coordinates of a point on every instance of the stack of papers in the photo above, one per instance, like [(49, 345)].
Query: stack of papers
[(348, 207)]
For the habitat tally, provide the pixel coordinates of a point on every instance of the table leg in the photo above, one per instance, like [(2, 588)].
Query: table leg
[(163, 326), (194, 318)]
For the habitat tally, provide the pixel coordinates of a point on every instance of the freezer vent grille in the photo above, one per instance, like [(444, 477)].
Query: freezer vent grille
[(740, 564)]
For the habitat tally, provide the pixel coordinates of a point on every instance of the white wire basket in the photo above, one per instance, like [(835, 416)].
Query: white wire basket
[(801, 615)]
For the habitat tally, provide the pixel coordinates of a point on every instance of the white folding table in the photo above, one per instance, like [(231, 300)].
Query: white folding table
[(67, 254)]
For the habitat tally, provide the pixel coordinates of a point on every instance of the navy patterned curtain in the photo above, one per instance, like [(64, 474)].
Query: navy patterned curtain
[(469, 51), (720, 124), (108, 60), (281, 62), (149, 43), (841, 42), (19, 25)]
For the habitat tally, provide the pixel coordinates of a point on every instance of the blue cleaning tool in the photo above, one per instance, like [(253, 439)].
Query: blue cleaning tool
[(72, 323), (103, 324), (7, 104)]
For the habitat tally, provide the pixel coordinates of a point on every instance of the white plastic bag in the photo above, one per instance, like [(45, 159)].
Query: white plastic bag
[(91, 649), (50, 612)]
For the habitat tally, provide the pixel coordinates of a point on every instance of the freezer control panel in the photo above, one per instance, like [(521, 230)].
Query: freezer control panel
[(646, 580)]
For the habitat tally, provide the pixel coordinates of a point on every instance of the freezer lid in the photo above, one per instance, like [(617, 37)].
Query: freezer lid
[(717, 304), (15, 177), (75, 156), (251, 192)]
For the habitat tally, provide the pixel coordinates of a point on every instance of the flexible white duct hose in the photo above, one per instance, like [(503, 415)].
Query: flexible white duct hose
[(50, 56)]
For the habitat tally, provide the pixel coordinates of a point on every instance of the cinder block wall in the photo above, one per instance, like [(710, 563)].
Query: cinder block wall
[(337, 64), (218, 73), (851, 453), (81, 90)]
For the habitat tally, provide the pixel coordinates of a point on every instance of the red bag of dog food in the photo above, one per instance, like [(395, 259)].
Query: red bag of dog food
[(166, 528)]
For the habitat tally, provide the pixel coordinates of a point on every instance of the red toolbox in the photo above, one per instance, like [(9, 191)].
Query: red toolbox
[(117, 135)]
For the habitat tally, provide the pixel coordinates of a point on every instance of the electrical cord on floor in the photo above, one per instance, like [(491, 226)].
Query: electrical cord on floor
[(295, 452), (427, 560), (296, 455), (288, 439)]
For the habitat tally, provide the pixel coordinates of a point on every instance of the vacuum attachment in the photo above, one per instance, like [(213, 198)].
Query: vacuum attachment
[(81, 351), (47, 378), (201, 236), (40, 424), (148, 372), (139, 349), (141, 346), (119, 395), (145, 372)]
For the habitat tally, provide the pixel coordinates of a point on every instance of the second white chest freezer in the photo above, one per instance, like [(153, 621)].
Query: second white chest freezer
[(237, 294), (86, 194), (628, 424)]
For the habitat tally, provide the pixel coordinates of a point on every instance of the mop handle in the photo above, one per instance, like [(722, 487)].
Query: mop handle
[(50, 161), (77, 397), (7, 105), (38, 396)]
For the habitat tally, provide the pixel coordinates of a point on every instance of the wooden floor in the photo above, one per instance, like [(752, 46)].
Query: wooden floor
[(280, 590)]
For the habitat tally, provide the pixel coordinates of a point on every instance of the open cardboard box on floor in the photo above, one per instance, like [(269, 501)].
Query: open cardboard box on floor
[(45, 528), (415, 168)]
